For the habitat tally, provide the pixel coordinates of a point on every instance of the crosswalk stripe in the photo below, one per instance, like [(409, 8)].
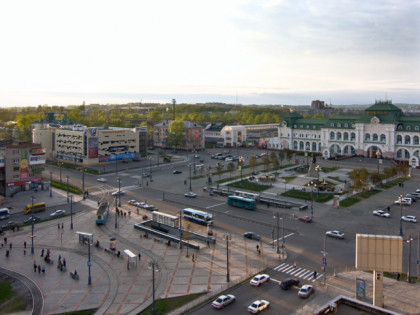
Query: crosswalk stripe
[(297, 272), (279, 266), (320, 276)]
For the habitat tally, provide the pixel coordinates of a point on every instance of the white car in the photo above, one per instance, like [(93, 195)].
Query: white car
[(258, 306), (381, 213), (335, 234), (101, 180), (409, 218), (132, 202), (118, 192), (58, 213), (258, 279), (405, 201), (190, 195), (223, 301), (305, 291)]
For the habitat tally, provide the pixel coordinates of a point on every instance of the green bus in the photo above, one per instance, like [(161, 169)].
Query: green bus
[(242, 202)]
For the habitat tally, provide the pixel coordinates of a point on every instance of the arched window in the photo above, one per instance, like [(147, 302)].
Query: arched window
[(301, 146), (346, 125), (338, 135), (407, 140), (399, 139), (319, 146), (313, 146), (353, 137), (307, 146), (416, 140), (399, 127), (408, 128), (338, 125), (332, 135), (295, 145), (374, 137), (332, 124), (346, 136), (367, 137), (383, 138), (417, 128)]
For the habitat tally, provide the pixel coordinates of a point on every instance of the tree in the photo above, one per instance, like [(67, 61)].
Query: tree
[(359, 178), (289, 155), (219, 169), (274, 159), (252, 163), (318, 116), (282, 156), (266, 162), (176, 133), (375, 178)]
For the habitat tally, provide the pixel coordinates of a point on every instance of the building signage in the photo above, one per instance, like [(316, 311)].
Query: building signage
[(93, 147), (360, 288), (24, 175), (118, 149)]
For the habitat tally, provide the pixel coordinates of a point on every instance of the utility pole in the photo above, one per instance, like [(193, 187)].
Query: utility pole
[(278, 236)]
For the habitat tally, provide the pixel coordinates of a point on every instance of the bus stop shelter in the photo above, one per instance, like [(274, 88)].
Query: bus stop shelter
[(132, 258)]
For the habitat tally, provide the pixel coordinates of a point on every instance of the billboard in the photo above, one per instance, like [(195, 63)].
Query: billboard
[(379, 252), (93, 147)]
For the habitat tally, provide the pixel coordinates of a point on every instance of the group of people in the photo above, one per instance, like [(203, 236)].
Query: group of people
[(39, 268), (122, 213)]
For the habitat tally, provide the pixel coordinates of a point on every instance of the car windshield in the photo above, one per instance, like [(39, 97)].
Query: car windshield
[(256, 279), (304, 290), (254, 305), (219, 300)]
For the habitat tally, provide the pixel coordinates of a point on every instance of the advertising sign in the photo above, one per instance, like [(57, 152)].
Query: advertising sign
[(93, 148), (360, 288)]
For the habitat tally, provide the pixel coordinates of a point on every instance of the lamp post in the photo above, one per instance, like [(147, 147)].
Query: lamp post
[(83, 180), (318, 169), (155, 267), (307, 155), (180, 229), (151, 174), (119, 191), (67, 177), (116, 165), (241, 163), (50, 184), (190, 177), (312, 185), (89, 264), (227, 238), (116, 214), (32, 221), (400, 198), (410, 239), (59, 165), (71, 212)]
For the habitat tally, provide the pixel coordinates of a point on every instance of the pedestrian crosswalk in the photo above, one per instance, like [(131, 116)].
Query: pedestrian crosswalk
[(297, 272), (105, 191)]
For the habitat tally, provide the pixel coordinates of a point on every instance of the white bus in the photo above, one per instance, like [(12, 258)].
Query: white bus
[(4, 213)]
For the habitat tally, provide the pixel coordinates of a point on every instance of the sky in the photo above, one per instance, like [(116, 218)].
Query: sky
[(195, 51)]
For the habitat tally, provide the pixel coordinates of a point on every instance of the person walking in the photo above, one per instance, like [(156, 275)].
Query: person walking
[(35, 266), (64, 262), (10, 246), (5, 241), (43, 269), (62, 225), (24, 244), (294, 265), (58, 225), (139, 256), (39, 268), (193, 257), (315, 273), (42, 253)]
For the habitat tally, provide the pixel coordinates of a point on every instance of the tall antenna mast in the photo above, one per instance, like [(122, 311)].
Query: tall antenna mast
[(173, 107)]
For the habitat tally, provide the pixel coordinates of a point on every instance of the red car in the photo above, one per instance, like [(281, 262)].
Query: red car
[(306, 219)]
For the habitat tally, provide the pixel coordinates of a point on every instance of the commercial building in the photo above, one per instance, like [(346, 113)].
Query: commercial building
[(193, 136), (382, 131), (21, 166), (91, 145)]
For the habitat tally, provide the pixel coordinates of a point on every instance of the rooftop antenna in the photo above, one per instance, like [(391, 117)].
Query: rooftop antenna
[(173, 107)]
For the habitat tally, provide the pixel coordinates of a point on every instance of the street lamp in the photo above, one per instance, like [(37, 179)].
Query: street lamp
[(71, 212), (119, 192), (116, 165), (190, 177), (67, 177), (410, 239), (307, 155), (400, 198), (116, 214), (151, 174), (155, 267), (312, 185), (32, 221), (83, 180), (241, 163), (60, 164), (318, 169), (227, 237), (50, 184)]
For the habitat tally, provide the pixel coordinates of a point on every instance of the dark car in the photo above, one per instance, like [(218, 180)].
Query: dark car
[(177, 172), (306, 219), (287, 284), (252, 236), (10, 225), (29, 220)]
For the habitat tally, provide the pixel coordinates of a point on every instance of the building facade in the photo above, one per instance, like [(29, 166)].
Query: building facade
[(382, 131), (91, 145), (193, 136), (21, 166)]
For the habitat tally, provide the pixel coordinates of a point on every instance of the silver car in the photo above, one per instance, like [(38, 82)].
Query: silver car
[(223, 300), (335, 234)]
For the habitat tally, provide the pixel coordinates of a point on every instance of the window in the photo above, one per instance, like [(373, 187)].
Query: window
[(399, 127), (383, 138), (353, 137), (408, 128), (399, 139), (407, 140), (417, 128), (416, 140), (374, 137), (346, 125), (338, 135), (313, 127), (338, 125), (332, 135), (367, 137), (346, 136), (307, 126), (332, 124)]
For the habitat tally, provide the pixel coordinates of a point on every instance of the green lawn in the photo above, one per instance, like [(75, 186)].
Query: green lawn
[(246, 184), (307, 195), (9, 300), (165, 306)]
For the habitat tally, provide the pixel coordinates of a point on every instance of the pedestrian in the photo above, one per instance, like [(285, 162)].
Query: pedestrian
[(139, 256), (315, 273), (42, 253), (58, 225), (24, 244), (128, 265), (193, 257), (43, 269), (398, 277), (35, 266), (59, 258), (258, 247), (294, 265), (147, 183), (48, 252), (208, 243), (62, 225), (39, 268), (5, 241), (10, 246), (389, 209), (7, 253), (24, 252), (259, 251), (64, 262)]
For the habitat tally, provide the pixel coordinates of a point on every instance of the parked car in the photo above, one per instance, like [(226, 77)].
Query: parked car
[(58, 213), (150, 207), (335, 234), (306, 219), (145, 174), (29, 220), (101, 179), (259, 279), (132, 202), (409, 218), (190, 195), (381, 213), (9, 225), (258, 306), (288, 283), (223, 300), (252, 236), (305, 291), (177, 172), (405, 201), (412, 196), (118, 192)]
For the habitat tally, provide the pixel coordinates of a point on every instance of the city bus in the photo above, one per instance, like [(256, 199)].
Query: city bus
[(4, 213), (242, 202), (38, 207), (198, 216)]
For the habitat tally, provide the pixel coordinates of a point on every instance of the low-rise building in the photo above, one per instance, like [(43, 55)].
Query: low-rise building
[(193, 136)]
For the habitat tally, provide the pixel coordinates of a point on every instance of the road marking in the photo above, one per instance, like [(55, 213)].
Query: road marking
[(302, 273), (279, 239), (219, 204), (279, 266)]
